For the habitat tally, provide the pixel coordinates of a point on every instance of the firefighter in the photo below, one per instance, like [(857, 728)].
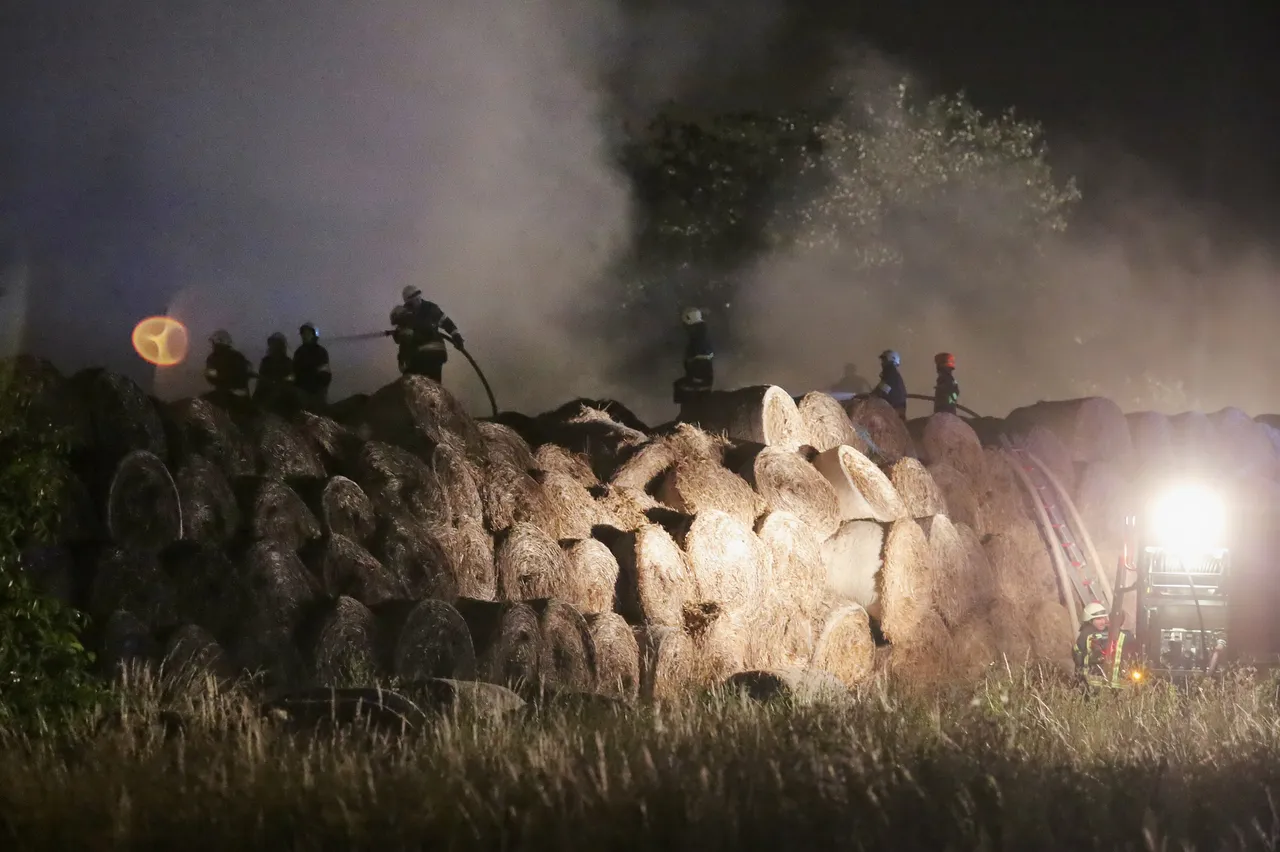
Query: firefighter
[(420, 330), (699, 371), (1095, 659), (227, 370), (946, 391), (275, 374), (851, 382), (311, 369), (892, 388)]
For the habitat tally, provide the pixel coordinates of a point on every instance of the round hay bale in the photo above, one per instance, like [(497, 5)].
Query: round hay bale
[(508, 494), (551, 457), (797, 564), (604, 444), (132, 580), (419, 559), (645, 469), (1105, 495), (780, 631), (276, 512), (507, 641), (143, 507), (625, 509), (210, 513), (728, 561), (206, 585), (917, 489), (1020, 564), (125, 642), (787, 482), (530, 564), (617, 655), (192, 653), (1243, 444), (696, 486), (277, 594), (346, 510), (340, 643), (763, 414), (426, 639), (458, 477), (952, 589), (999, 494), (1044, 444), (958, 494), (654, 578), (345, 568), (568, 654), (122, 418), (885, 429), (333, 444), (1152, 436), (472, 550), (1052, 631), (207, 430), (687, 441), (283, 452), (1091, 429), (1009, 628), (397, 482), (973, 646), (720, 649), (853, 558), (825, 425), (504, 447), (421, 414), (845, 647), (863, 492), (593, 575), (949, 440), (666, 660), (571, 511), (923, 658), (903, 584), (982, 582), (789, 683)]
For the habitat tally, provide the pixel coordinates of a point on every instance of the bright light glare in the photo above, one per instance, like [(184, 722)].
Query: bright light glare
[(1188, 520)]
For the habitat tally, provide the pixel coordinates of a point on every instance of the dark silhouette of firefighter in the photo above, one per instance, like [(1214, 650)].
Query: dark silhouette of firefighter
[(699, 370), (946, 390), (892, 388), (852, 381), (227, 371), (311, 373), (420, 329), (275, 374)]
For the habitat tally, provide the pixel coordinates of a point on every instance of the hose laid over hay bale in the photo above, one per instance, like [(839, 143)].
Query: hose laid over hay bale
[(593, 575), (207, 430), (885, 429), (863, 492), (418, 558), (917, 489), (787, 482), (568, 653), (340, 643), (1021, 565), (973, 647), (283, 452), (825, 425), (421, 414), (958, 494), (277, 593), (646, 467), (551, 457), (763, 414), (695, 486), (853, 558), (346, 510), (904, 584), (132, 580), (654, 578), (1052, 632), (122, 417), (666, 659), (953, 589), (845, 647), (617, 655), (1152, 436), (999, 494), (143, 507), (504, 447), (276, 512), (425, 639), (1091, 429), (728, 561), (530, 564), (924, 657), (344, 568), (1045, 445), (210, 513), (333, 444), (570, 510), (507, 641), (797, 564), (949, 440)]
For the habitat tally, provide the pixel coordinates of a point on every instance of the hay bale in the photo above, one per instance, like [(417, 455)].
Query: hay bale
[(1052, 632), (277, 594), (191, 653), (917, 489), (958, 494), (787, 482), (125, 642), (551, 457), (46, 402), (852, 559), (885, 429), (654, 578), (645, 469), (845, 647), (598, 439), (206, 586), (1045, 445), (207, 430), (687, 441), (398, 482), (593, 575), (458, 478), (981, 575), (825, 425), (1152, 436), (344, 568), (666, 660), (953, 590), (339, 640), (283, 452), (143, 507), (949, 440), (1000, 494), (763, 414), (132, 580), (720, 648), (121, 417), (570, 510), (1009, 628), (530, 564), (694, 486), (1104, 496), (332, 443), (923, 658), (504, 447), (1021, 565), (568, 653), (728, 561), (791, 684), (1243, 444), (781, 631), (346, 510), (624, 509), (507, 642), (425, 639), (472, 551), (276, 513), (796, 563), (421, 414), (1091, 429), (617, 655), (210, 513), (903, 583), (974, 648), (419, 559), (863, 492), (509, 494)]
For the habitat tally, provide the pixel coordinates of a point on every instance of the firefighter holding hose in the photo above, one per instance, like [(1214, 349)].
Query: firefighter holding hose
[(227, 370), (1099, 663), (420, 330), (946, 390), (892, 388), (311, 369)]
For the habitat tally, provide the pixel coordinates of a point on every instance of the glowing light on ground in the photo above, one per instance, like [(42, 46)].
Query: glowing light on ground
[(161, 341)]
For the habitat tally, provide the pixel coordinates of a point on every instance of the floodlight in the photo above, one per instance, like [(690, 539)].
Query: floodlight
[(1188, 520)]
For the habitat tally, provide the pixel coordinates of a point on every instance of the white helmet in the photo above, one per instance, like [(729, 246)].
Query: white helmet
[(691, 316), (891, 357), (220, 338), (1094, 610), (409, 293)]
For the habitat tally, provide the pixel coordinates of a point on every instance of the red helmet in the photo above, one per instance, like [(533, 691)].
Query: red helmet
[(945, 359)]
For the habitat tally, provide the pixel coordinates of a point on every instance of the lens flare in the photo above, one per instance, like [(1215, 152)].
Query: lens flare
[(161, 341)]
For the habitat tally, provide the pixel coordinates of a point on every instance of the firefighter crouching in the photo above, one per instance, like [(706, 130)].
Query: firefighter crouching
[(699, 370), (1095, 660), (420, 330), (311, 372), (227, 371), (275, 375)]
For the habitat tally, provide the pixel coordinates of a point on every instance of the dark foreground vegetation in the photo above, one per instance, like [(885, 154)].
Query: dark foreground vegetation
[(1018, 763)]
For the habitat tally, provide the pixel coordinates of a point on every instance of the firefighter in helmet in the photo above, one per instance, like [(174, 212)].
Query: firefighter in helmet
[(699, 371), (892, 387), (227, 371), (946, 391), (1096, 660), (275, 374), (311, 368), (420, 330)]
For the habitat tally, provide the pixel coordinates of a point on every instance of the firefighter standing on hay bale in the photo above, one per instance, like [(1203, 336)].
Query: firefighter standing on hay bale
[(1096, 660), (946, 391), (275, 374), (892, 387), (227, 370), (699, 370), (420, 330), (311, 372)]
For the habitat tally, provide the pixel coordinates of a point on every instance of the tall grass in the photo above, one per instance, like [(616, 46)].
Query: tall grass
[(1017, 763)]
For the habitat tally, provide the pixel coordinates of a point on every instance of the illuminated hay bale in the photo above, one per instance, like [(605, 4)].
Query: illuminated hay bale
[(421, 414), (125, 641), (1020, 564), (1052, 631), (825, 423), (949, 440), (346, 510), (1010, 632), (457, 477), (191, 653), (903, 584), (570, 512), (1152, 436), (973, 646), (666, 662), (277, 593), (654, 578), (958, 494), (334, 444), (917, 489), (763, 414), (853, 558), (1045, 445), (845, 647), (144, 510), (617, 655), (695, 486), (687, 441), (1105, 495), (720, 649), (1000, 494), (399, 482), (1091, 429), (504, 447), (593, 575), (207, 430), (276, 512), (425, 639), (472, 550), (797, 565), (645, 468), (982, 581), (122, 418), (419, 559), (339, 641), (568, 652), (863, 492), (1243, 444), (509, 494), (952, 587), (530, 564), (598, 439), (551, 457), (507, 641), (282, 451), (132, 580), (209, 510), (787, 482), (924, 658), (729, 562), (344, 567), (624, 508), (882, 425)]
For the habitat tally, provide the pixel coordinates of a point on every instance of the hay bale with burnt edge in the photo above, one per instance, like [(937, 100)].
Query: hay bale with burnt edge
[(338, 641), (949, 440), (787, 482), (332, 443), (1152, 436), (1020, 564), (887, 433), (421, 414), (507, 642), (1000, 494), (132, 580), (728, 561), (852, 559), (923, 658), (205, 429), (277, 595), (694, 486), (504, 447), (1052, 632), (346, 510), (568, 652), (424, 639), (645, 469), (418, 558), (1045, 445), (121, 416), (863, 492), (593, 574), (1091, 429), (143, 507), (666, 662), (903, 584), (210, 513), (568, 510), (398, 482), (958, 494), (953, 589), (552, 457), (617, 655), (275, 512), (576, 409), (845, 646), (344, 568), (282, 451), (763, 414), (917, 489), (530, 564), (654, 578), (825, 423)]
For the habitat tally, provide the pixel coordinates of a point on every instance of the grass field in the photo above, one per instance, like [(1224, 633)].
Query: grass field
[(1018, 763)]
